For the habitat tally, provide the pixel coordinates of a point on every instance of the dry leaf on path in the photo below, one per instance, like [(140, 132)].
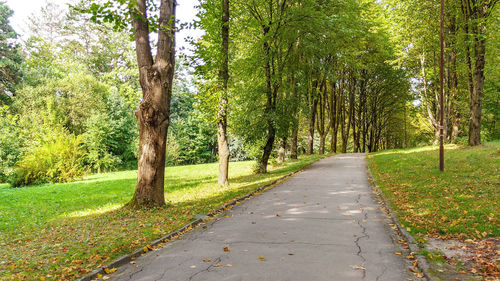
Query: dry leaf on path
[(357, 267)]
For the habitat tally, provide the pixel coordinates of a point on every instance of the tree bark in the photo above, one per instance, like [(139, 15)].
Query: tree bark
[(312, 118), (320, 124), (153, 114), (476, 14), (282, 150), (270, 108), (222, 142), (293, 146)]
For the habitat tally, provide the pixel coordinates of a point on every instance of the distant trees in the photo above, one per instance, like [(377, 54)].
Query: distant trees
[(10, 57)]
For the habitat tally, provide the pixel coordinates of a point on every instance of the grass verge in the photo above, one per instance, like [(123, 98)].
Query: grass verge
[(62, 231), (461, 202)]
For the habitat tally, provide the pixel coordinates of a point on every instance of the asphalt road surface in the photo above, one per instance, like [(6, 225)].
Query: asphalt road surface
[(322, 224)]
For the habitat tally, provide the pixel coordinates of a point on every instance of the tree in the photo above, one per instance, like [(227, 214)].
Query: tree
[(222, 112), (155, 76), (476, 13), (10, 57)]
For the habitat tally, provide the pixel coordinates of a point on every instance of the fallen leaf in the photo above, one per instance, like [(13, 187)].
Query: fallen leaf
[(98, 276), (398, 253), (218, 265), (278, 215), (206, 260), (109, 270), (229, 265), (193, 266), (105, 277), (262, 258), (226, 249), (357, 267)]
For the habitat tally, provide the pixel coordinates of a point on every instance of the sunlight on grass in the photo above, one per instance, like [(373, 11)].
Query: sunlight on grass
[(96, 211), (416, 150)]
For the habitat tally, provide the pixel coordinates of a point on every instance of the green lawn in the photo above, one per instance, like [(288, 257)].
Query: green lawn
[(461, 202), (62, 231)]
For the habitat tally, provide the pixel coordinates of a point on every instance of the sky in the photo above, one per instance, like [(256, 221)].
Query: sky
[(186, 12)]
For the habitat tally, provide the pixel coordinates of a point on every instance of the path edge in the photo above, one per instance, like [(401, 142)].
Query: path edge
[(423, 265), (177, 233)]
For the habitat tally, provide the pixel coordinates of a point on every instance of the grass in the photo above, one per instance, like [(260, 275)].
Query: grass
[(461, 202), (62, 231)]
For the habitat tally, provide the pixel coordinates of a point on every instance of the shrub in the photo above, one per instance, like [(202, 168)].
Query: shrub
[(57, 159), (109, 137), (10, 143), (97, 143)]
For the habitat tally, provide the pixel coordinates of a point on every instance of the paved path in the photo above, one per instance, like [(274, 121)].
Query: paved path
[(329, 227)]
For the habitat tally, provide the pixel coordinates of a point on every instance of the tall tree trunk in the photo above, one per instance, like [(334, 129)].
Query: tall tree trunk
[(476, 14), (477, 95), (270, 108), (320, 124), (153, 114), (222, 142), (282, 150), (333, 116), (293, 146), (454, 113), (312, 118)]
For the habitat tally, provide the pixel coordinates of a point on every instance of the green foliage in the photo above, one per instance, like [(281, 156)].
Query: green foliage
[(11, 143), (196, 140), (10, 57), (108, 136), (59, 158)]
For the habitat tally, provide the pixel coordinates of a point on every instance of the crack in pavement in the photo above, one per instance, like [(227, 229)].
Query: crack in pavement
[(134, 273), (381, 274), (216, 261), (365, 235)]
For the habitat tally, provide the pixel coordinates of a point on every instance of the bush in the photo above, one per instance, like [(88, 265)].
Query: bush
[(10, 143), (97, 143), (58, 159), (109, 137)]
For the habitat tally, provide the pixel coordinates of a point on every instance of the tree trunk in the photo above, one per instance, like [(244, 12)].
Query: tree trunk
[(153, 114), (293, 147), (320, 124), (222, 142), (282, 150), (476, 14), (312, 118), (333, 117), (477, 95), (270, 108)]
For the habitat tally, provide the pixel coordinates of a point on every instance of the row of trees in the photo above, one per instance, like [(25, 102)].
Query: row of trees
[(272, 76), (471, 74), (316, 67)]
